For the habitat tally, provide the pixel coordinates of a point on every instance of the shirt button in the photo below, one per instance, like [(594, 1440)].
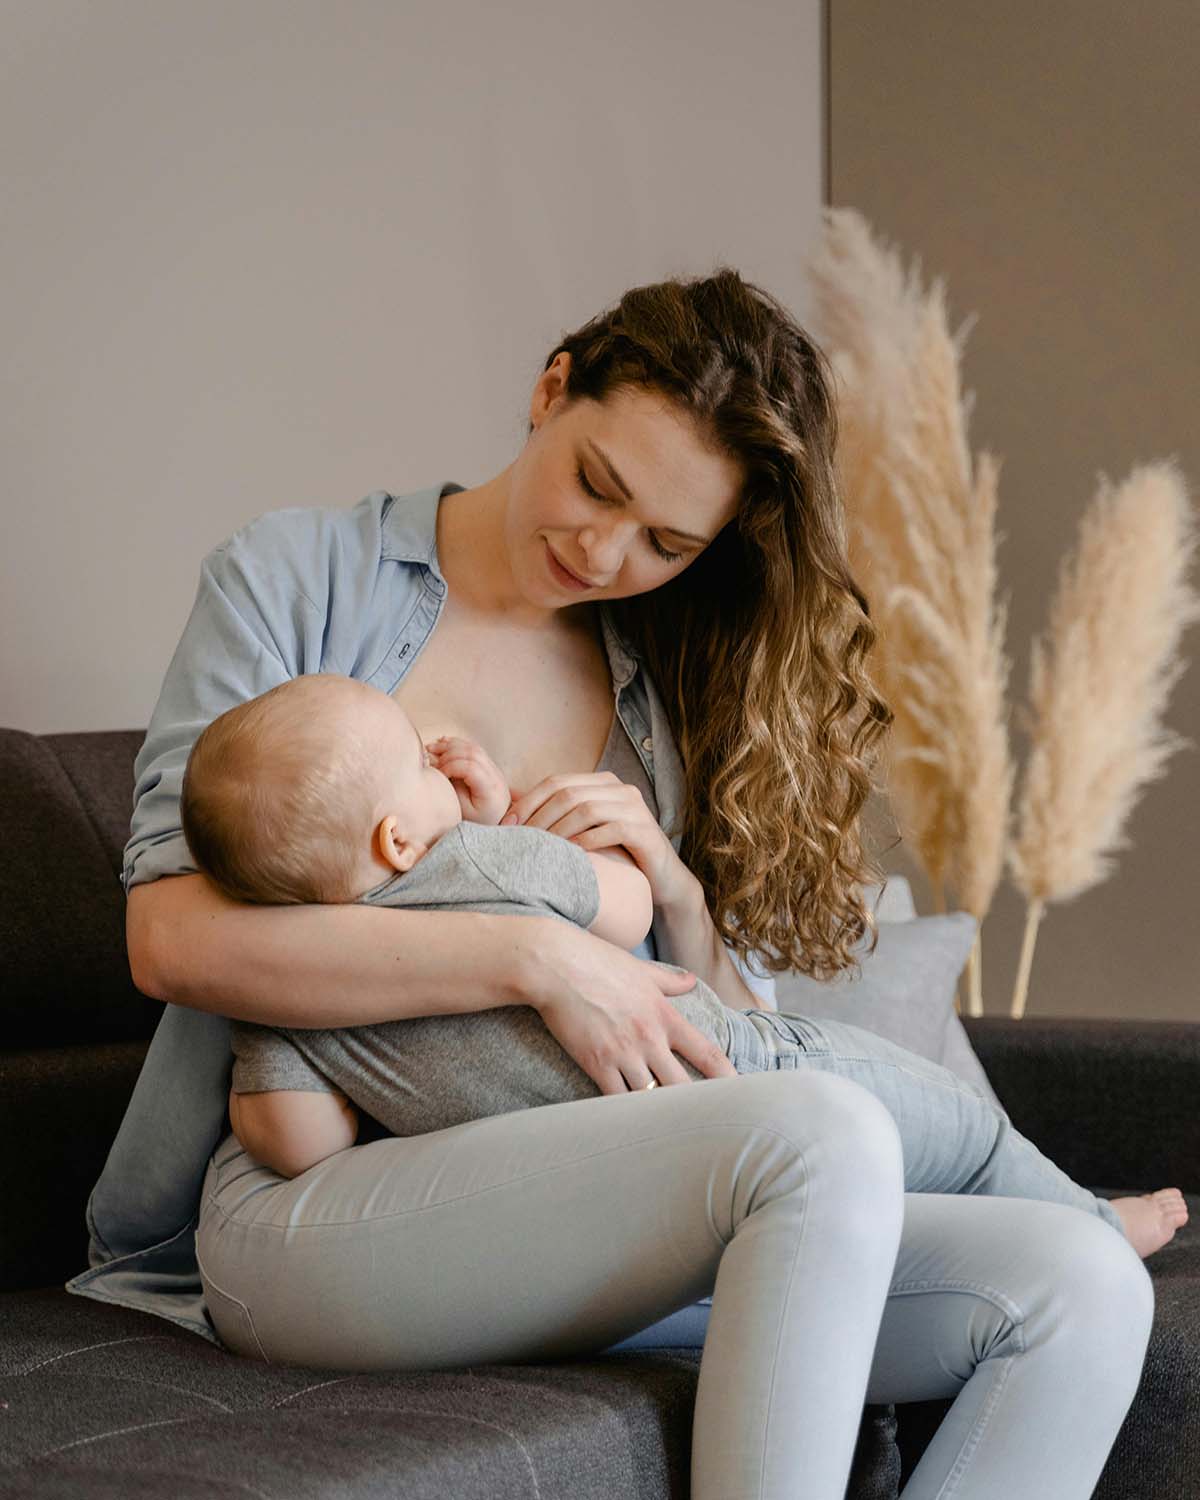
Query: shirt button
[(648, 743)]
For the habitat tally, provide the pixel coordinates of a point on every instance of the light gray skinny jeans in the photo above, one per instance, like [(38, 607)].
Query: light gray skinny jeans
[(831, 1201)]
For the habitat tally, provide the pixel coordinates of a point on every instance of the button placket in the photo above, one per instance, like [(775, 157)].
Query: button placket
[(634, 726)]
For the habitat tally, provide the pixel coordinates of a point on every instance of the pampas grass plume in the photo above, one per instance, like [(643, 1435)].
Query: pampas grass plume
[(1098, 690), (921, 537)]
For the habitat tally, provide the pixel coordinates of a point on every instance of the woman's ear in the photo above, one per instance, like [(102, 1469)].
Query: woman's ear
[(396, 850), (550, 387)]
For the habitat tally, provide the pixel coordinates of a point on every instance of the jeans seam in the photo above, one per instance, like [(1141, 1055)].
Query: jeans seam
[(975, 1436), (787, 1294), (400, 1213), (990, 1293)]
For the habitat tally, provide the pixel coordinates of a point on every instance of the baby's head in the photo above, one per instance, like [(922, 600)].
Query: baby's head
[(313, 792)]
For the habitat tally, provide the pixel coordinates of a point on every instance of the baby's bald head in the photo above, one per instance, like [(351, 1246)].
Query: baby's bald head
[(280, 793)]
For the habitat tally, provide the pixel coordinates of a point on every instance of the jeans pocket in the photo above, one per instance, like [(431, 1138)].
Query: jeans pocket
[(232, 1321)]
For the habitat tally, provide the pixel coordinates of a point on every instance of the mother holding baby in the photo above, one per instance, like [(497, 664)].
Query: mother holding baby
[(656, 587)]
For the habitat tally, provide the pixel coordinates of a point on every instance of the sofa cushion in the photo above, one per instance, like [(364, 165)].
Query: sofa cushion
[(65, 803), (105, 1402)]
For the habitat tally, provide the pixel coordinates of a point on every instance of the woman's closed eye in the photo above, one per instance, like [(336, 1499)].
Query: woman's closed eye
[(654, 541)]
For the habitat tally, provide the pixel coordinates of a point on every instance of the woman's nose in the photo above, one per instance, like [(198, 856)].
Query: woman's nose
[(605, 549)]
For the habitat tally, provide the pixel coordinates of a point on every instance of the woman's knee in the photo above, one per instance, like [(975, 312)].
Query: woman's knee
[(1094, 1280), (1113, 1274), (821, 1116)]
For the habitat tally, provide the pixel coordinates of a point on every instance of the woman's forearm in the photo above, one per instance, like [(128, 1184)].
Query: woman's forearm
[(324, 966), (696, 946)]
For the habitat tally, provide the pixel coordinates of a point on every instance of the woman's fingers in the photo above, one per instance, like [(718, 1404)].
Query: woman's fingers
[(609, 1010), (609, 1080), (704, 1055), (566, 814), (659, 1060), (690, 1042), (664, 1066), (556, 791)]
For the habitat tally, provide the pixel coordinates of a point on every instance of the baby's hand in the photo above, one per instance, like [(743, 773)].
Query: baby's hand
[(475, 776)]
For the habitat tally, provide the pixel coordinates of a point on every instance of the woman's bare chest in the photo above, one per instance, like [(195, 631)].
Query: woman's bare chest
[(538, 703)]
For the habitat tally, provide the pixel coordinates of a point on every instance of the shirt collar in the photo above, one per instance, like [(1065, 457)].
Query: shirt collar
[(409, 528), (622, 658), (409, 534)]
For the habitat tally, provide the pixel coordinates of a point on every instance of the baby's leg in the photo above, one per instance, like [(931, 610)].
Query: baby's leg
[(290, 1130), (955, 1140)]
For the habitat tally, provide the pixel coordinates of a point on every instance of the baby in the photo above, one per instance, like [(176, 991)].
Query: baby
[(320, 790)]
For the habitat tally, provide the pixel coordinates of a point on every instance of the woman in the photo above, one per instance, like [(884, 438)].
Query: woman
[(680, 463)]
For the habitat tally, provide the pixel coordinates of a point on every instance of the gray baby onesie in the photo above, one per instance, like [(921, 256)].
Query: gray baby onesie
[(426, 1073)]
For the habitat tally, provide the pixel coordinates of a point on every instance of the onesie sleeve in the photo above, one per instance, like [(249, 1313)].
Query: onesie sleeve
[(264, 1059), (531, 867)]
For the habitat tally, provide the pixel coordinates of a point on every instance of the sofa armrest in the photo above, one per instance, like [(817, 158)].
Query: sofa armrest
[(1111, 1102)]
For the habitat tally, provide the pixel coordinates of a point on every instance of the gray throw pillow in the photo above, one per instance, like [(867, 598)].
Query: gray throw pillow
[(906, 992), (893, 901), (961, 1058)]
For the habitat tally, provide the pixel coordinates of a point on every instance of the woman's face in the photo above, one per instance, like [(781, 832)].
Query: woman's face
[(567, 499)]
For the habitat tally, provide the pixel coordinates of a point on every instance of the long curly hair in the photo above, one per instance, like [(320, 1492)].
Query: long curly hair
[(759, 647)]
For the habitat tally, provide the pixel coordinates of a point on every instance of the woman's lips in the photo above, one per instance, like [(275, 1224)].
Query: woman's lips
[(564, 574)]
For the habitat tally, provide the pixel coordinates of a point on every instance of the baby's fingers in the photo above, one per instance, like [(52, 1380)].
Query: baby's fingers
[(455, 766), (449, 744)]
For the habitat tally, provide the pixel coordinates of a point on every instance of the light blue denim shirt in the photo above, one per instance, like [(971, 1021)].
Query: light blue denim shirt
[(358, 592)]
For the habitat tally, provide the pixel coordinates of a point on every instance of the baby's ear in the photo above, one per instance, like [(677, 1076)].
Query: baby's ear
[(398, 851)]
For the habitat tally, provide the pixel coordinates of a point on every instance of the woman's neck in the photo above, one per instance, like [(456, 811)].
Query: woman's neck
[(473, 556)]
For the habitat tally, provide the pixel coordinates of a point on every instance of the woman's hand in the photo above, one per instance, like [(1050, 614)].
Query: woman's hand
[(482, 790), (608, 1009), (597, 810)]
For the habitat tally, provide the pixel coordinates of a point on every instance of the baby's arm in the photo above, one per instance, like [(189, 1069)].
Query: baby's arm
[(290, 1130), (626, 904)]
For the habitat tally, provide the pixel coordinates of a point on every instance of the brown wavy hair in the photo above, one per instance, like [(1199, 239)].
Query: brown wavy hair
[(759, 646)]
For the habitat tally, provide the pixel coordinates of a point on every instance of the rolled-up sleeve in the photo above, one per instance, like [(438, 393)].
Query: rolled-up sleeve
[(258, 620)]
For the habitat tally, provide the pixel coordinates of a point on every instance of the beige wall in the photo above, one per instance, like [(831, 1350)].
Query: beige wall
[(1044, 159), (286, 253)]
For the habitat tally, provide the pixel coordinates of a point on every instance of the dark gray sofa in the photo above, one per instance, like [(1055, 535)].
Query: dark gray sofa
[(97, 1401)]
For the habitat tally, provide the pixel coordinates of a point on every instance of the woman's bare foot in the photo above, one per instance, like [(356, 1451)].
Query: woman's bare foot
[(1152, 1219)]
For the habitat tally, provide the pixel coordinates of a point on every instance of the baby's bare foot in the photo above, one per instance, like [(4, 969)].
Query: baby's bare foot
[(1151, 1219)]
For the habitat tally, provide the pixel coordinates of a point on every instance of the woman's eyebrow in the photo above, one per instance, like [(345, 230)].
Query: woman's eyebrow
[(625, 490)]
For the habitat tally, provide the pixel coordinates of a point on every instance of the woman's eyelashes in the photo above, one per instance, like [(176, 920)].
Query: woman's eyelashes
[(654, 541)]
